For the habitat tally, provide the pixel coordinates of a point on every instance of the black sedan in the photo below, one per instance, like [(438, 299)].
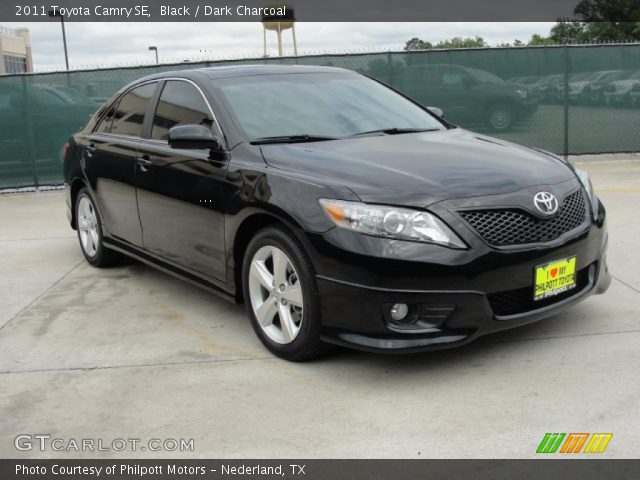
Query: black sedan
[(337, 209)]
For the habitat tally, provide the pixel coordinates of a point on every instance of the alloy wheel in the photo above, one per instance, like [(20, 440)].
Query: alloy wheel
[(276, 294), (500, 119), (88, 227)]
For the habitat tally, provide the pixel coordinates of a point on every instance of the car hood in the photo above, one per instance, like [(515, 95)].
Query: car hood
[(420, 169)]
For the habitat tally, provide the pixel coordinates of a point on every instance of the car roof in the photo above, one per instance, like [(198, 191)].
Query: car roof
[(231, 71)]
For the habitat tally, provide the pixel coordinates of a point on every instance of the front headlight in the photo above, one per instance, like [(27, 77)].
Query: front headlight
[(585, 179), (390, 222)]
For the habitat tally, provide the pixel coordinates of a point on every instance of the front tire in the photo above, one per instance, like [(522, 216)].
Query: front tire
[(90, 236), (499, 118), (281, 296)]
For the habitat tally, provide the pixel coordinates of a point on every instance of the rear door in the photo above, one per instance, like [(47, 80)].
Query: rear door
[(110, 163), (181, 193)]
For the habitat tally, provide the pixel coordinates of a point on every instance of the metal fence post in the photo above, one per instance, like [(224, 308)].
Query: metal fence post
[(566, 101), (31, 145)]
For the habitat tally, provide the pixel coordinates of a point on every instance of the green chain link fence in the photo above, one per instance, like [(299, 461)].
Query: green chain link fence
[(568, 100)]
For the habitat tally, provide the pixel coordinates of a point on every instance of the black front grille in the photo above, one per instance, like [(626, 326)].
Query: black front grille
[(514, 226), (512, 302)]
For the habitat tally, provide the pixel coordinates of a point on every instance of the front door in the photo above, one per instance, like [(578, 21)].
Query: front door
[(181, 193)]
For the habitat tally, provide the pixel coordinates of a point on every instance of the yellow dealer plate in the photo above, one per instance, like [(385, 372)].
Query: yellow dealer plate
[(554, 278)]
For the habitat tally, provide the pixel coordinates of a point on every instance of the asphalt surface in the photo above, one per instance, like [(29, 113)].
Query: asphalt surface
[(132, 353)]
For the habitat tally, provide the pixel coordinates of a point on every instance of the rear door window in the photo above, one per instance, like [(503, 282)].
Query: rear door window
[(105, 124), (129, 115)]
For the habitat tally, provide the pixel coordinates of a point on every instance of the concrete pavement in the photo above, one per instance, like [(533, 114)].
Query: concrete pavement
[(130, 352)]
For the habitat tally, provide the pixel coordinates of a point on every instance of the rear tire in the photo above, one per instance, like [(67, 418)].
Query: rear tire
[(89, 226), (281, 295)]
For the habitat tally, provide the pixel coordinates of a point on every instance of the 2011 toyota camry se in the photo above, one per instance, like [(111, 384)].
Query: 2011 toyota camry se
[(339, 210)]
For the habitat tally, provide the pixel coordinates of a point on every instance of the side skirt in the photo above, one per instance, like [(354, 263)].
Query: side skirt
[(213, 286)]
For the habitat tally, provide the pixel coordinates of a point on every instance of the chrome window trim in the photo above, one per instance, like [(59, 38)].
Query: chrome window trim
[(204, 97), (156, 80), (117, 102)]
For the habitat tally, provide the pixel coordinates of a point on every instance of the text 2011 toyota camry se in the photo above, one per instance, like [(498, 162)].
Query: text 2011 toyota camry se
[(337, 209)]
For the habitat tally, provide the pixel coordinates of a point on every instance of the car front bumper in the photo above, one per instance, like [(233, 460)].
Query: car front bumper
[(460, 295)]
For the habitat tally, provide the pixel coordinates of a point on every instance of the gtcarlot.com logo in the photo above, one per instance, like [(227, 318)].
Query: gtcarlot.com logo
[(574, 442), (46, 442)]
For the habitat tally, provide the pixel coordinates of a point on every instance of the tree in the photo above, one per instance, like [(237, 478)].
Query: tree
[(566, 31), (416, 44), (459, 42), (600, 21), (614, 31), (516, 43), (620, 11), (456, 42), (540, 40)]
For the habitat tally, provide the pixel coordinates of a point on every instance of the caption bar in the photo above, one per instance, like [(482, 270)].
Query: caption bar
[(309, 11)]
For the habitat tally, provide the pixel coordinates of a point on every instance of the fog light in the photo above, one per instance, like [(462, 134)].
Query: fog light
[(399, 311)]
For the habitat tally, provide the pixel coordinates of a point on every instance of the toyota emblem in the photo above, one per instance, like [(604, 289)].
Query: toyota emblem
[(546, 202)]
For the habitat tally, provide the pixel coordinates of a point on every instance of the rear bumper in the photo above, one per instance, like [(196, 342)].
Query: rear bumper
[(457, 296)]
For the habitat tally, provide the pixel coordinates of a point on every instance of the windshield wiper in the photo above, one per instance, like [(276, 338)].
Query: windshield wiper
[(305, 137), (395, 131)]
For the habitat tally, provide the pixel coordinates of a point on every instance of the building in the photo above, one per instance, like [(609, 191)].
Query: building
[(15, 49)]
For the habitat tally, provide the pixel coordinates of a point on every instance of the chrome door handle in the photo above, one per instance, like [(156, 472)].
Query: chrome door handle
[(89, 149), (144, 162)]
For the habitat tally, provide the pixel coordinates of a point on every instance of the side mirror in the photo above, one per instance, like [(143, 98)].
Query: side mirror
[(193, 137), (436, 111)]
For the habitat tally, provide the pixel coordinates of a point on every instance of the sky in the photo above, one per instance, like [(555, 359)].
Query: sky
[(122, 44)]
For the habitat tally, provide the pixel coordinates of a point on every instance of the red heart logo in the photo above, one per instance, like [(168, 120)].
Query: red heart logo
[(554, 272)]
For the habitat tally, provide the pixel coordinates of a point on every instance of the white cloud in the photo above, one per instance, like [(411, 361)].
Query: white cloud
[(102, 44)]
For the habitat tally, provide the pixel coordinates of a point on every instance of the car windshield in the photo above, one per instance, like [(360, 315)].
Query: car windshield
[(319, 105)]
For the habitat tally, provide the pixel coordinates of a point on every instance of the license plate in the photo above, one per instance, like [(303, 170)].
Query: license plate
[(554, 278)]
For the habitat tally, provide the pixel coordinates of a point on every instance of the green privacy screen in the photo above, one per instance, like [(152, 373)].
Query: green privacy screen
[(569, 100)]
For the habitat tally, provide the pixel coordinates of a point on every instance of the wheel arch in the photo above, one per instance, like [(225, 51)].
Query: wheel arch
[(244, 229), (76, 185), (498, 101)]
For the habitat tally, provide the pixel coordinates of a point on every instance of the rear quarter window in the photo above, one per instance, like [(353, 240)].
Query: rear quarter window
[(128, 117)]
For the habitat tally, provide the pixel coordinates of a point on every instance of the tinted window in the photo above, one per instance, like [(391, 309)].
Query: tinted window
[(129, 115), (453, 79), (319, 104), (180, 103), (105, 124)]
